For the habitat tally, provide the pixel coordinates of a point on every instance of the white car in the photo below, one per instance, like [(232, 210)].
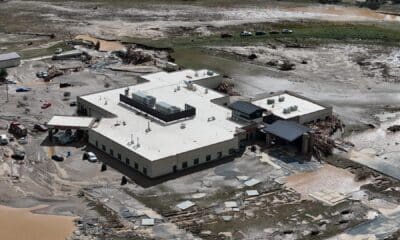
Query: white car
[(246, 34), (91, 157), (3, 139)]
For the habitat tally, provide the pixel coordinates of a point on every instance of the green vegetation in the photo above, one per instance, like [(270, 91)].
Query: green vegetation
[(39, 52), (304, 33)]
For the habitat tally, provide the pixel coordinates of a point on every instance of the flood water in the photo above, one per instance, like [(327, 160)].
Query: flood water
[(22, 224)]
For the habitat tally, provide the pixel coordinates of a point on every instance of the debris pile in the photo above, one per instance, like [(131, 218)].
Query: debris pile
[(227, 88), (323, 144), (135, 56), (394, 128)]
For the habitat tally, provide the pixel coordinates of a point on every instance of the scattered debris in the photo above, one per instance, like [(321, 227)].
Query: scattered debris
[(252, 193), (252, 182), (185, 205), (147, 222)]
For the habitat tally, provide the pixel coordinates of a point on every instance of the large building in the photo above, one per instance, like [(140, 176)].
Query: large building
[(8, 60), (175, 121), (169, 123)]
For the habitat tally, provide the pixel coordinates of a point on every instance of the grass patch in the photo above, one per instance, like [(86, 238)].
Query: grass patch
[(38, 52)]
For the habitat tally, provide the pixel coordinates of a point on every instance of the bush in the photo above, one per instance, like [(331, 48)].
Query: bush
[(3, 74)]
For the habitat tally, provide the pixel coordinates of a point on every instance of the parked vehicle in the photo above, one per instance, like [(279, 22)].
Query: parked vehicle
[(18, 129), (57, 158), (3, 139), (260, 33), (64, 137), (287, 31), (90, 156), (23, 89), (18, 155), (11, 81), (226, 35), (246, 34), (58, 51), (22, 141), (40, 127), (46, 105), (42, 74)]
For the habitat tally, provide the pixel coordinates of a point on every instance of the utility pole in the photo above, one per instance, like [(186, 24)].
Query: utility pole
[(7, 90)]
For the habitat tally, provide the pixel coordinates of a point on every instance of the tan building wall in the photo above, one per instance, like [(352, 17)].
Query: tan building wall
[(166, 165)]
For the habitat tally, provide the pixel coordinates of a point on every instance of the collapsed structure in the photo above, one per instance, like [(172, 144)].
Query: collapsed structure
[(174, 121)]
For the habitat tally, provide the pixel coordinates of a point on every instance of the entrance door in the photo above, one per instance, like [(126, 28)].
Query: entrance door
[(174, 168)]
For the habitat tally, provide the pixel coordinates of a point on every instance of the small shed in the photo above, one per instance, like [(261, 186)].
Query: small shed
[(8, 60)]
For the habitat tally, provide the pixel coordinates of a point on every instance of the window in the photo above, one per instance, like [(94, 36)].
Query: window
[(119, 156), (97, 143), (111, 152), (196, 161), (145, 171), (219, 155), (136, 165), (208, 157), (103, 147), (184, 165), (127, 161)]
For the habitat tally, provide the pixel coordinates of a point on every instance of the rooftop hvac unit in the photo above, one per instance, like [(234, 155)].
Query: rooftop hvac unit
[(127, 91), (143, 98), (210, 73), (183, 126), (166, 108), (286, 110), (281, 99), (293, 108), (270, 101)]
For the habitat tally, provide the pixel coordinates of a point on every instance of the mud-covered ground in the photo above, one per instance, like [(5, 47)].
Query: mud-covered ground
[(354, 67)]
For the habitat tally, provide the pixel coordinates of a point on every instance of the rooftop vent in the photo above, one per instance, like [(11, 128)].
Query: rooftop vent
[(183, 126), (211, 119)]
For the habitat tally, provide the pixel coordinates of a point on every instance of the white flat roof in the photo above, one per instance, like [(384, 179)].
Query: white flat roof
[(70, 122), (165, 140), (9, 56), (303, 106)]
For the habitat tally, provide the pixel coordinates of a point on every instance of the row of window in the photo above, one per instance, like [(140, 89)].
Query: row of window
[(196, 161), (127, 160)]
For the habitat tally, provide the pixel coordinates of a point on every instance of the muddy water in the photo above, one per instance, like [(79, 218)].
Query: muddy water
[(348, 13), (326, 178), (22, 224)]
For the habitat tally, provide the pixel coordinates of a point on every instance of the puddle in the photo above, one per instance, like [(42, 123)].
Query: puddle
[(22, 224)]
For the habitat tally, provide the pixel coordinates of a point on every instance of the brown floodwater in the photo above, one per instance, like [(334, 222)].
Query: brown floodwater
[(23, 224)]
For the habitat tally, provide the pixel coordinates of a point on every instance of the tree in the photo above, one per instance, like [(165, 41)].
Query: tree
[(3, 74)]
